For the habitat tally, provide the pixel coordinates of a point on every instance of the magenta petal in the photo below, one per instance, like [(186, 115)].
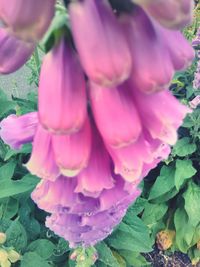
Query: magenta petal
[(42, 162), (72, 151), (180, 50), (161, 113), (148, 52), (97, 175), (128, 161), (62, 91), (13, 52), (18, 130), (104, 54), (115, 115), (173, 14), (27, 19)]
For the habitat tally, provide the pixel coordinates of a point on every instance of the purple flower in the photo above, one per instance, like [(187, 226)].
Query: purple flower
[(18, 130), (13, 52), (27, 19)]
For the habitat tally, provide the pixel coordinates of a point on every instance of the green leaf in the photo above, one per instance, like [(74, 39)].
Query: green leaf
[(11, 188), (184, 230), (132, 234), (11, 206), (120, 260), (16, 236), (105, 255), (133, 258), (184, 170), (183, 147), (192, 203), (42, 247), (26, 149), (32, 259), (6, 106), (153, 213), (7, 171), (164, 183), (137, 207)]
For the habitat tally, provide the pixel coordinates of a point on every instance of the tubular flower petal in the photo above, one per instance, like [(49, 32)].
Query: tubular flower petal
[(161, 113), (18, 130), (115, 114), (42, 161), (173, 14), (104, 62), (72, 151), (97, 175), (13, 52), (128, 161), (83, 227), (179, 48), (148, 52), (27, 19), (62, 91)]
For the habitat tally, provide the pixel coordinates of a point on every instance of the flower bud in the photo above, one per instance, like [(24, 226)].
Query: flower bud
[(104, 53), (14, 52), (27, 19), (3, 256), (13, 256), (164, 239), (2, 238), (62, 91)]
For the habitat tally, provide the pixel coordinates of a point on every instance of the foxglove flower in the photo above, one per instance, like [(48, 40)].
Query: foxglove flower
[(42, 160), (72, 151), (180, 50), (62, 92), (70, 213), (173, 14), (194, 103), (148, 52), (104, 54), (97, 176), (27, 19), (161, 113), (13, 52), (18, 130), (115, 115)]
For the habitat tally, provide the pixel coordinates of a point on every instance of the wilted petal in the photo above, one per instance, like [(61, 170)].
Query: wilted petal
[(28, 19), (148, 52), (13, 52), (104, 54), (173, 14), (42, 160), (161, 113), (62, 93), (18, 130), (97, 175), (72, 151), (115, 115)]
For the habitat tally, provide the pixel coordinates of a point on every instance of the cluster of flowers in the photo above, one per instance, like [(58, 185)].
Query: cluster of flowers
[(196, 44), (105, 117)]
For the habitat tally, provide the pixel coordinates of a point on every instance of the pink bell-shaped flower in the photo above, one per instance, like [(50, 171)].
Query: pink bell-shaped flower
[(115, 115), (173, 14), (27, 19), (72, 151), (104, 53), (42, 161), (18, 130), (13, 52), (62, 92)]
